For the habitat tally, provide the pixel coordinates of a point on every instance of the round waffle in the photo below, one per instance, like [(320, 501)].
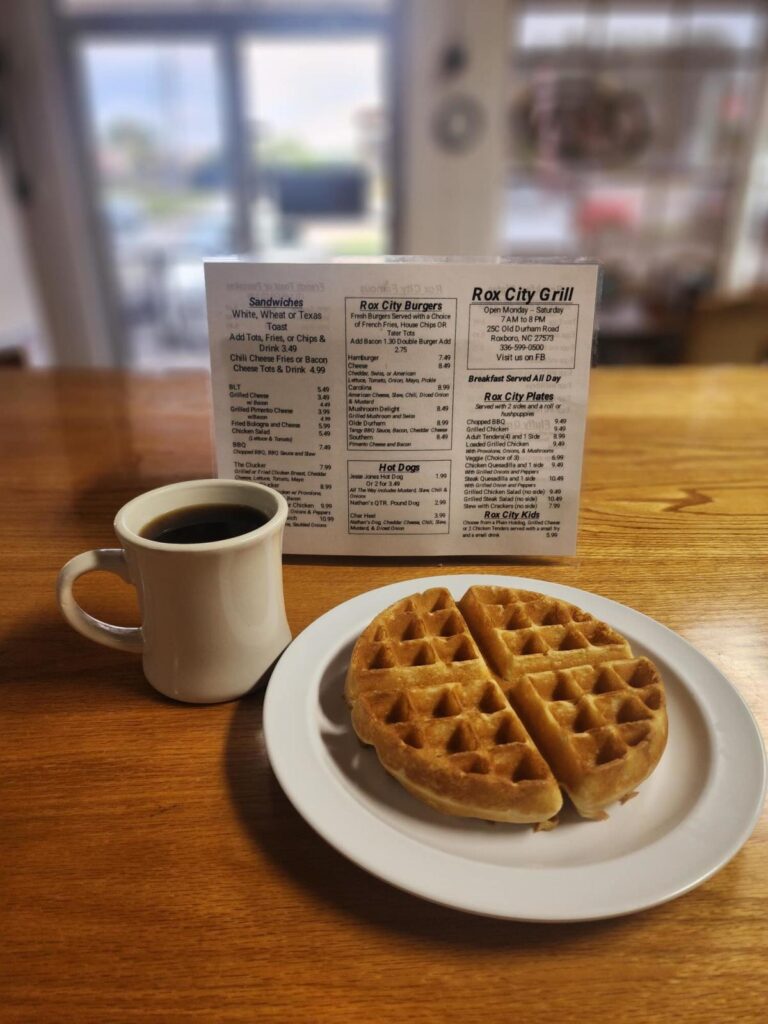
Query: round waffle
[(487, 707)]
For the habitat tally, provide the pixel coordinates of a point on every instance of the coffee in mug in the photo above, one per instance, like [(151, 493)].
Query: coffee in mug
[(201, 524)]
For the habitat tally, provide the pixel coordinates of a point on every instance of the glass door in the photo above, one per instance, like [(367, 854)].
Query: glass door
[(213, 132), (155, 125), (316, 123)]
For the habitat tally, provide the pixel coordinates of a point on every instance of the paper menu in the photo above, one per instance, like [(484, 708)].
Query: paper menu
[(407, 406)]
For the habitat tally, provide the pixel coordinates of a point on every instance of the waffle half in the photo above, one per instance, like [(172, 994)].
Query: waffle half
[(488, 707)]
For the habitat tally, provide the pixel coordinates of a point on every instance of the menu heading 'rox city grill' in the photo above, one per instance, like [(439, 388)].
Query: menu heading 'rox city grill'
[(516, 294)]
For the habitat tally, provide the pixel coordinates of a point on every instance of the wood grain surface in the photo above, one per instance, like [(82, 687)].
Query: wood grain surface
[(150, 866)]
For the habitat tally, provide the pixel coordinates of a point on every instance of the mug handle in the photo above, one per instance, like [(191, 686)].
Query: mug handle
[(122, 638)]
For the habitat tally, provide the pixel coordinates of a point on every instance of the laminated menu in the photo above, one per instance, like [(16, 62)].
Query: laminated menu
[(407, 406)]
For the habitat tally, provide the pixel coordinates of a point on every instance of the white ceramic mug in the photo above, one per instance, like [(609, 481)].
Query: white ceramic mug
[(213, 614)]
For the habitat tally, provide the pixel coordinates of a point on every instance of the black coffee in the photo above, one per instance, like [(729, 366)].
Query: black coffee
[(201, 524)]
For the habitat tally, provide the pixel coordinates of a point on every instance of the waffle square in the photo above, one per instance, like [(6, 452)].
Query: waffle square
[(486, 708), (459, 745), (522, 632), (602, 728), (422, 639)]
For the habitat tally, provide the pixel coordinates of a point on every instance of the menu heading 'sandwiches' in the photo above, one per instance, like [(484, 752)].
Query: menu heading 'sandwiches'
[(407, 406)]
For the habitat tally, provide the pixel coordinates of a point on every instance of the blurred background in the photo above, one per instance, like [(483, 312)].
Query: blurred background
[(138, 137)]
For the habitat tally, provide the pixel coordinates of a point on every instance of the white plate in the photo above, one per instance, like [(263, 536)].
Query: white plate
[(690, 817)]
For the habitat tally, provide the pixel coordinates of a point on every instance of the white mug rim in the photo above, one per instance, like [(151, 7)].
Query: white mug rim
[(273, 525)]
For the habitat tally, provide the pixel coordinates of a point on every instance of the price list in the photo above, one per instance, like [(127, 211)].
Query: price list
[(399, 496), (400, 362), (514, 476)]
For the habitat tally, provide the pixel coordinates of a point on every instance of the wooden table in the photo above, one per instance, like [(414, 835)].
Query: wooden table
[(150, 866)]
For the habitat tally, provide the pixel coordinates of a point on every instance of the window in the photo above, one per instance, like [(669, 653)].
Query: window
[(257, 127), (316, 130)]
